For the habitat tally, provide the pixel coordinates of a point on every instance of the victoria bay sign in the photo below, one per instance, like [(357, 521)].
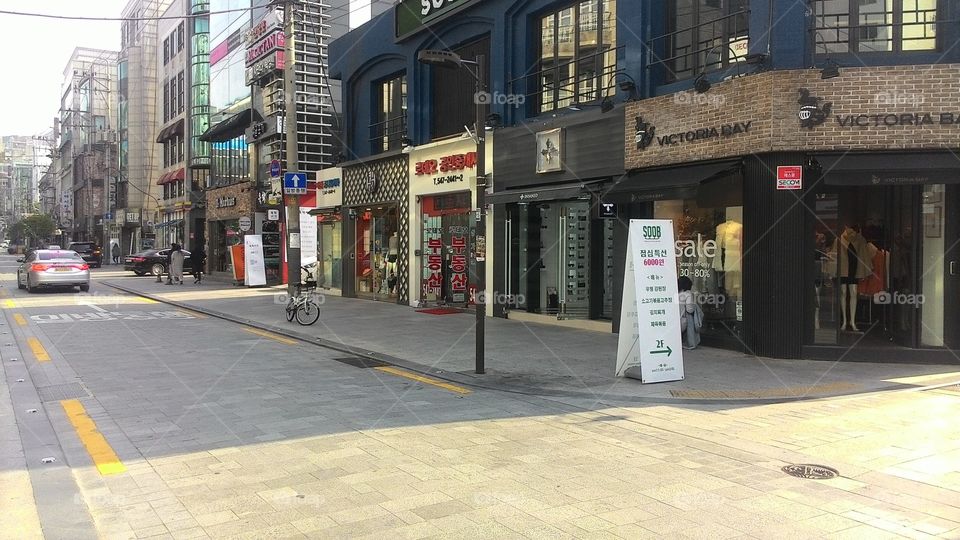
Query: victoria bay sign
[(813, 113)]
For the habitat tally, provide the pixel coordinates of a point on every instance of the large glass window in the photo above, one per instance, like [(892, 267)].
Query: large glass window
[(230, 162), (329, 250), (390, 119), (378, 252), (858, 26), (577, 54), (703, 35), (445, 267), (708, 231)]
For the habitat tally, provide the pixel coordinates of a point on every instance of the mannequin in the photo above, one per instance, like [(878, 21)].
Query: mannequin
[(729, 252), (854, 263)]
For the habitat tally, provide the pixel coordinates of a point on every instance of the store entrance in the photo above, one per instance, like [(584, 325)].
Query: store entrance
[(881, 266), (951, 267), (378, 253)]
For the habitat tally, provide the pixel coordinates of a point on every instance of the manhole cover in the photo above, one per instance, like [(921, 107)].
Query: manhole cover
[(58, 392), (812, 472), (359, 362)]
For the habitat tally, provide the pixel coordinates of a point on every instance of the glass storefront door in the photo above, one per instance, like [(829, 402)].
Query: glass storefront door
[(377, 252), (329, 252), (951, 266), (445, 265)]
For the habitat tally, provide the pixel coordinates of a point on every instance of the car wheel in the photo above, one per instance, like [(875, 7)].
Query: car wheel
[(30, 288), (157, 269), (20, 284), (85, 287)]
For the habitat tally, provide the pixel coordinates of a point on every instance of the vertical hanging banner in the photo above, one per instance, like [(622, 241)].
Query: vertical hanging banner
[(650, 346), (308, 236), (255, 273)]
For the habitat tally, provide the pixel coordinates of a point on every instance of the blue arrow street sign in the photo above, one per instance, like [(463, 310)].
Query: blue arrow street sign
[(275, 168), (295, 183)]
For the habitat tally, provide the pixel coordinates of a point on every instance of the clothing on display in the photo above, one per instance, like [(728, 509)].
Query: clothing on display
[(854, 263)]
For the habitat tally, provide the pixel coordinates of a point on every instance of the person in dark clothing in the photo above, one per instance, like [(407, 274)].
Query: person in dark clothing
[(115, 253), (197, 259)]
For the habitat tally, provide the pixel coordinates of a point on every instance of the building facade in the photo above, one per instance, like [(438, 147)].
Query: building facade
[(86, 154), (140, 161)]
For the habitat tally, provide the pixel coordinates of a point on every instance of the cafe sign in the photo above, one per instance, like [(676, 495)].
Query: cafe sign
[(412, 16)]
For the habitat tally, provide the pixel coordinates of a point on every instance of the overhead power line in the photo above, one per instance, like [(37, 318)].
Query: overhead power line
[(121, 19)]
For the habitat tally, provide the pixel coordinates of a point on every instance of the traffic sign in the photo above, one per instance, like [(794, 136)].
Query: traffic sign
[(295, 183), (275, 168), (245, 223)]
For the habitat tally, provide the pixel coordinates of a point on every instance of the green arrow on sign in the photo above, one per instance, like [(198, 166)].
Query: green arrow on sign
[(668, 351)]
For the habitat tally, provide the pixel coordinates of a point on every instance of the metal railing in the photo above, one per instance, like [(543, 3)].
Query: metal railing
[(708, 46), (878, 31), (388, 134), (576, 81)]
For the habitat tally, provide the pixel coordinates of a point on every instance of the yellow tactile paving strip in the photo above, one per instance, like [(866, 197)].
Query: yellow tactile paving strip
[(425, 380), (38, 351), (96, 444)]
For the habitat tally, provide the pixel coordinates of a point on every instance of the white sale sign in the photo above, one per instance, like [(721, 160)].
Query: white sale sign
[(254, 273), (650, 346)]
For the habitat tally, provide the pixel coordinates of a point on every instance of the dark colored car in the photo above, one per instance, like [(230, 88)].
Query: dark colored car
[(90, 251), (152, 261)]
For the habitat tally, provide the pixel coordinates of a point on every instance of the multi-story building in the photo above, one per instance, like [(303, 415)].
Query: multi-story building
[(172, 223), (140, 161), (805, 156), (22, 161), (86, 145), (247, 114)]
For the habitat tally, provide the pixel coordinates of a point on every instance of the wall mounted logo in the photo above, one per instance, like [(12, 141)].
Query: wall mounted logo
[(373, 182), (550, 150), (811, 112), (645, 133)]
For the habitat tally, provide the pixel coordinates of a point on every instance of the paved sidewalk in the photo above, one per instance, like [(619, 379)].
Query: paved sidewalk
[(536, 358)]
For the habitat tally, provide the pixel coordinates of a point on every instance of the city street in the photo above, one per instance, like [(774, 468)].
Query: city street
[(168, 423)]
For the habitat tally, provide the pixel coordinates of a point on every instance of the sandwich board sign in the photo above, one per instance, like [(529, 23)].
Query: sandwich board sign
[(650, 346)]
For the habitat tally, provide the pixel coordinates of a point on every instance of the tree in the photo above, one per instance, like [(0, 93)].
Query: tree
[(33, 229)]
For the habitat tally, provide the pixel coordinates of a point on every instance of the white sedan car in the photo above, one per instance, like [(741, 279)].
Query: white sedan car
[(53, 268)]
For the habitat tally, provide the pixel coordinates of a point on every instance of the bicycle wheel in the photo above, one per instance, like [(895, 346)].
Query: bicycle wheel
[(291, 309), (308, 313)]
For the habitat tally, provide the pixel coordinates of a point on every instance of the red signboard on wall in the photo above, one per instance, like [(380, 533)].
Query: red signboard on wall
[(789, 177)]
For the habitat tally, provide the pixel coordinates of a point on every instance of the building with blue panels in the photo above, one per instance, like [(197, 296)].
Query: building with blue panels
[(804, 151)]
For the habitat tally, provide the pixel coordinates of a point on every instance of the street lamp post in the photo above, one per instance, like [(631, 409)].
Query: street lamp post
[(478, 69)]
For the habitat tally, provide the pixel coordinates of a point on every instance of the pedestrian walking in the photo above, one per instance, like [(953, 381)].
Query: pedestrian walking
[(176, 264), (115, 253), (691, 314), (197, 259)]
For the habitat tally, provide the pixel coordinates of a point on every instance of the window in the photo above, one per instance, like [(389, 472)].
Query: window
[(180, 99), (577, 54), (166, 103), (858, 26), (452, 90), (180, 37), (390, 119), (704, 35), (173, 97), (166, 51)]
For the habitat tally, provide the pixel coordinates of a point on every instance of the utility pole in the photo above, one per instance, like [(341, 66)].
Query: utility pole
[(290, 130), (481, 243)]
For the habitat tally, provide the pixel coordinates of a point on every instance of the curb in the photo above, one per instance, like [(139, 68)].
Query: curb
[(471, 381)]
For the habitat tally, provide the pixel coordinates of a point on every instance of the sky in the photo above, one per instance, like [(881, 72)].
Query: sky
[(36, 50)]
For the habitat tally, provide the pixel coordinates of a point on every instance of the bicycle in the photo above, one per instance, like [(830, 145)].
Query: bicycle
[(302, 307)]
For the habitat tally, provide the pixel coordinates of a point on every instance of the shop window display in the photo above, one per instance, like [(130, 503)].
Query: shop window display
[(709, 247), (378, 252), (448, 234)]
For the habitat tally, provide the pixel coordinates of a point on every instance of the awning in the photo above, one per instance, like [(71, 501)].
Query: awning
[(172, 176), (175, 128), (678, 182), (164, 178), (232, 127), (890, 169), (573, 190)]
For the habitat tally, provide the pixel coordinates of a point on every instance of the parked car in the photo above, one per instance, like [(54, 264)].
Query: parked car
[(90, 251), (53, 268), (151, 261)]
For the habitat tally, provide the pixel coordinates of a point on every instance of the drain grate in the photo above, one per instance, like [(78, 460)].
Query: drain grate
[(59, 392), (359, 362), (811, 472)]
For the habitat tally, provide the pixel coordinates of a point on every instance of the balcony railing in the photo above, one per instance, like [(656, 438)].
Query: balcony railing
[(388, 134), (711, 45), (570, 82)]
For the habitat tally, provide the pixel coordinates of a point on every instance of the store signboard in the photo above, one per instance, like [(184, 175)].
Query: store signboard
[(650, 346), (308, 236), (412, 16), (789, 177), (329, 187), (255, 273)]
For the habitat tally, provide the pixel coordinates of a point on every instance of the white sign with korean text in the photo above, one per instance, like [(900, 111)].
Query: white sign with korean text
[(308, 236), (650, 345), (254, 272)]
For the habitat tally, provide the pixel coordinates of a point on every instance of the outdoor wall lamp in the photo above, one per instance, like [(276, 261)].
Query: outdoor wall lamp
[(701, 84), (830, 71)]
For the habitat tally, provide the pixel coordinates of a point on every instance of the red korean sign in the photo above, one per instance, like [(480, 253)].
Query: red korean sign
[(455, 162), (789, 177)]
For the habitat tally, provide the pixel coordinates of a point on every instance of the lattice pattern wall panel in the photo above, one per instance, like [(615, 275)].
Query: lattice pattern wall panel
[(394, 187)]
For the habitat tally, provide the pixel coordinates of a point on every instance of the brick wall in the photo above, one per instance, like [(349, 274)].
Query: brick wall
[(769, 101)]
